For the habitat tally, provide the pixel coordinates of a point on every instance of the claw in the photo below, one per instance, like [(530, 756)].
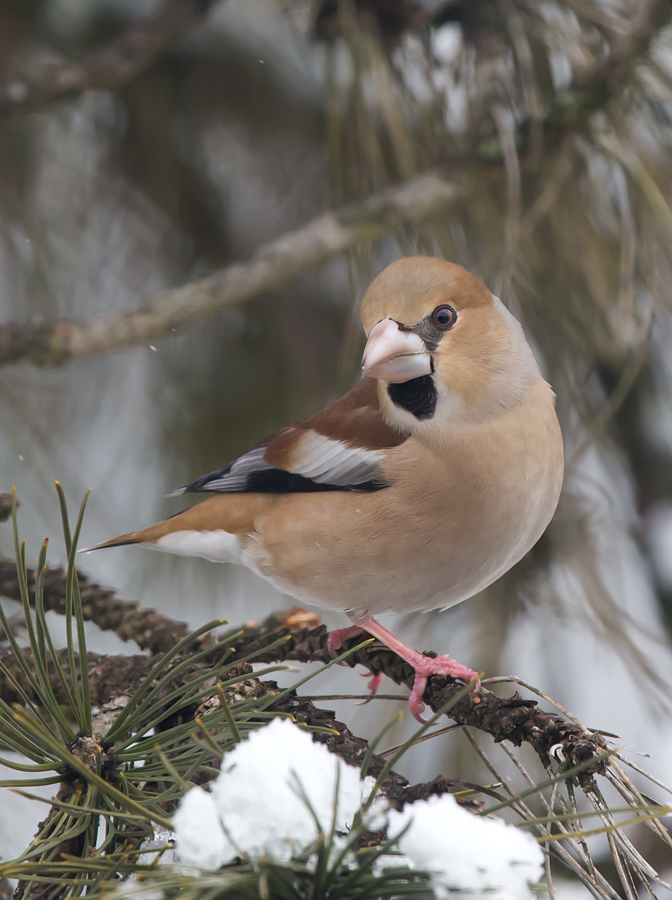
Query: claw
[(374, 684), (424, 666)]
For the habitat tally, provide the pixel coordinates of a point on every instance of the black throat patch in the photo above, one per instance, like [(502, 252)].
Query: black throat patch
[(417, 396)]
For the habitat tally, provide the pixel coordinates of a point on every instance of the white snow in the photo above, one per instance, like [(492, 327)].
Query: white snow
[(466, 852), (257, 809), (200, 840), (257, 806)]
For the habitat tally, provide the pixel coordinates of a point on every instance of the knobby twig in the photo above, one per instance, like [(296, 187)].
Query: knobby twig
[(109, 67), (102, 606), (272, 265)]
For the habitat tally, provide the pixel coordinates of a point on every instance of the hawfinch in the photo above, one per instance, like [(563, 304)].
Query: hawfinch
[(415, 490)]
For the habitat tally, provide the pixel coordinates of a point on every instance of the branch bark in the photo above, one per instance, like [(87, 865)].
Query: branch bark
[(110, 66), (102, 606), (513, 719), (273, 264)]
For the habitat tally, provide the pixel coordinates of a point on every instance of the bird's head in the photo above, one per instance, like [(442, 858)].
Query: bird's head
[(441, 344)]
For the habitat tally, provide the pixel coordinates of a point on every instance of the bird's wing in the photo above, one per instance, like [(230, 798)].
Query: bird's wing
[(340, 448)]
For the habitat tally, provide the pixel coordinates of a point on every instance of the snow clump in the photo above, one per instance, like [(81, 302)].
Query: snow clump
[(464, 852), (258, 807)]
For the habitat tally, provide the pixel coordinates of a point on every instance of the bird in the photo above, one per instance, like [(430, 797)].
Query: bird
[(415, 490)]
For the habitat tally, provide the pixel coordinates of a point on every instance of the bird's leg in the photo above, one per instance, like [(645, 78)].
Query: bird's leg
[(424, 665), (335, 641)]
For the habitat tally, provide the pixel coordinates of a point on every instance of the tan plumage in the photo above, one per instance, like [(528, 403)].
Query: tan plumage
[(413, 491)]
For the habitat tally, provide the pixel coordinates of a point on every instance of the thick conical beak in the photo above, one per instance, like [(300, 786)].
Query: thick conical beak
[(394, 355)]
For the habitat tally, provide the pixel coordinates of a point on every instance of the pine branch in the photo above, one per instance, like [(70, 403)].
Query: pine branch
[(512, 719), (105, 608), (113, 682), (109, 676)]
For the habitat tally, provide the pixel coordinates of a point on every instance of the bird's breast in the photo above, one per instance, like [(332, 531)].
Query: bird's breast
[(457, 515)]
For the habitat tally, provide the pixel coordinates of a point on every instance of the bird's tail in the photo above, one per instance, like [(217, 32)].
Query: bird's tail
[(133, 537)]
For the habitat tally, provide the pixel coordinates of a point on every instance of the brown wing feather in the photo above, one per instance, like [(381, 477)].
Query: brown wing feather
[(357, 420), (336, 449), (354, 419)]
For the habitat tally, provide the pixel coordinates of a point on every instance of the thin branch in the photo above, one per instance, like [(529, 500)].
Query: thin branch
[(108, 67), (272, 265)]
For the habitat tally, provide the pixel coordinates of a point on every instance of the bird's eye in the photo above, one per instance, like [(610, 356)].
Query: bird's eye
[(444, 317)]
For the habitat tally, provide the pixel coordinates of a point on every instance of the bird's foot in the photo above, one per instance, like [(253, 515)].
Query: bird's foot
[(438, 665), (337, 637), (424, 665)]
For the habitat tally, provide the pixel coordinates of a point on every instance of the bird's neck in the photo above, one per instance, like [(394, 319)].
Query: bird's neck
[(435, 417)]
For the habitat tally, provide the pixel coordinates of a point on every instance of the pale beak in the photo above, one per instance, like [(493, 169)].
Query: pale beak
[(395, 355)]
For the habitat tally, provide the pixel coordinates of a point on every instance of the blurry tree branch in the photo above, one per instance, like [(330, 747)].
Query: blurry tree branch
[(105, 608), (5, 507), (572, 107), (628, 46), (117, 63), (333, 233), (273, 264)]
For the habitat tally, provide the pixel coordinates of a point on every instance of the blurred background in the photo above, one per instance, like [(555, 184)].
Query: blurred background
[(552, 118)]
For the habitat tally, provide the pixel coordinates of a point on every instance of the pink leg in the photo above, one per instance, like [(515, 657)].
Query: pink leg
[(424, 665)]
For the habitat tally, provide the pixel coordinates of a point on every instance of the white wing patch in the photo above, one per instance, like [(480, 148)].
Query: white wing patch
[(327, 461)]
